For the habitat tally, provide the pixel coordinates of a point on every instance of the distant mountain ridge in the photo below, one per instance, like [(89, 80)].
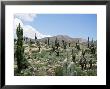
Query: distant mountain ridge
[(60, 38), (65, 38)]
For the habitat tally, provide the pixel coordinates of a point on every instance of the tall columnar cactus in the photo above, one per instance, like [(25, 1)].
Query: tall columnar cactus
[(56, 41), (93, 50), (35, 37), (88, 42), (72, 52), (90, 64), (39, 47), (14, 41), (58, 45), (45, 41), (78, 46), (48, 41), (53, 48), (83, 53), (21, 62), (81, 63), (30, 43), (65, 44), (92, 41), (73, 56), (69, 44), (26, 39), (85, 63), (57, 52)]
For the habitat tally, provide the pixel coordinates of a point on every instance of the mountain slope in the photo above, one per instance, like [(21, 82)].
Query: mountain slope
[(65, 38)]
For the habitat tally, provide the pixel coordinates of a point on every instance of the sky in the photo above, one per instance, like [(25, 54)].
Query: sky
[(46, 25)]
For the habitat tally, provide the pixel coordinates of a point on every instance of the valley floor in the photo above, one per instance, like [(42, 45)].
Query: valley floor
[(44, 61)]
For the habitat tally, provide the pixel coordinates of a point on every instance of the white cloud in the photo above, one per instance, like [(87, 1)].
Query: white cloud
[(26, 17), (28, 31)]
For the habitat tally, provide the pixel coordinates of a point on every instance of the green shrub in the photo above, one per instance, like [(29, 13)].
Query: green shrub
[(58, 71)]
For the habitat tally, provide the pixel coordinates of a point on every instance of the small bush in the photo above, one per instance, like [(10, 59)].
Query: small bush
[(58, 71)]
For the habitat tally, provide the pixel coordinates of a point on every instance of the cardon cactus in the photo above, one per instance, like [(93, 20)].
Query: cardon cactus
[(21, 61), (88, 42), (35, 37), (48, 41), (78, 46), (65, 44), (69, 44), (73, 56)]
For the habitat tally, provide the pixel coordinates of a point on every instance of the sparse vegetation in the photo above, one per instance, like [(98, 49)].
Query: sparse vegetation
[(54, 57)]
